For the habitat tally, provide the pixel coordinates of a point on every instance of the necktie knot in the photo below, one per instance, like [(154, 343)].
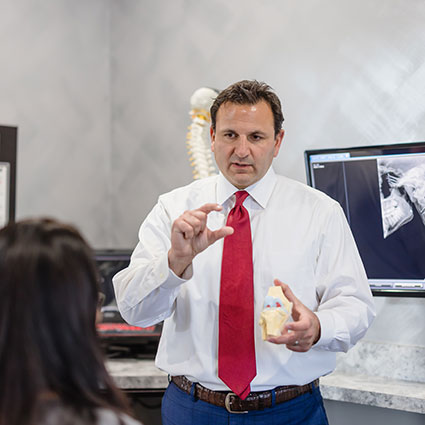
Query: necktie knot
[(241, 195)]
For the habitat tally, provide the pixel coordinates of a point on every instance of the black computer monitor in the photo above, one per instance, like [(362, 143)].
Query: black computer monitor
[(118, 338), (8, 136), (382, 192)]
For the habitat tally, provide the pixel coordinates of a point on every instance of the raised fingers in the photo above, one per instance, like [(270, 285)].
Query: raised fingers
[(207, 208), (191, 223), (220, 233)]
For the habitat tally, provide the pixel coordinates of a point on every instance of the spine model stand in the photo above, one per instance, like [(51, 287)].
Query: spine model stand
[(198, 136)]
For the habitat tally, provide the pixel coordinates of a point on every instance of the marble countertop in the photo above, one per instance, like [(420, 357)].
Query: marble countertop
[(131, 374), (374, 391)]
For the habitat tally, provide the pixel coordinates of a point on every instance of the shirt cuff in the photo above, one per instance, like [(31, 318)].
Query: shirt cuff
[(171, 279), (327, 328)]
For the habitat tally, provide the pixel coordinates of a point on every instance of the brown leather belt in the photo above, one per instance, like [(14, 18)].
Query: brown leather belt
[(254, 401)]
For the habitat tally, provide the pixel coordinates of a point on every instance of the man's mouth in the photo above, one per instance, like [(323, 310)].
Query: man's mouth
[(241, 164)]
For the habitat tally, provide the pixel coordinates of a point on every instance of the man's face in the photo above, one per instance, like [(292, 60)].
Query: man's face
[(244, 143)]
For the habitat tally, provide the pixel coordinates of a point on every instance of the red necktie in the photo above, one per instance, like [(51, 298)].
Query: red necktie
[(236, 346)]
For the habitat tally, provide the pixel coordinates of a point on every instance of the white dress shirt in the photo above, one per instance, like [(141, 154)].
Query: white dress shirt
[(300, 236)]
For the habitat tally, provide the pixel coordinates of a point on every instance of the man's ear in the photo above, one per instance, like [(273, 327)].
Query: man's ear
[(212, 134), (278, 142)]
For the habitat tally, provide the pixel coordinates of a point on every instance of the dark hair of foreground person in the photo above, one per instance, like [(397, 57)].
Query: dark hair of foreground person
[(51, 365)]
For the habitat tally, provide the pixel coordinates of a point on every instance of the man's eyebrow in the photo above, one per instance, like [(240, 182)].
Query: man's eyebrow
[(253, 132)]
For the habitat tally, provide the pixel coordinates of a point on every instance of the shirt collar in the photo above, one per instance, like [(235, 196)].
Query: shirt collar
[(260, 191)]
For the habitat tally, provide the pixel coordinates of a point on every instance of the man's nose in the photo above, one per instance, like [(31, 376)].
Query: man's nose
[(242, 147)]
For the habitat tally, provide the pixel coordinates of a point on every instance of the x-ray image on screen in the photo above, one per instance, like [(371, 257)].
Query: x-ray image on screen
[(402, 191), (382, 192)]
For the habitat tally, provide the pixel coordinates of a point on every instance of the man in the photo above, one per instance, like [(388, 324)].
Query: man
[(298, 239)]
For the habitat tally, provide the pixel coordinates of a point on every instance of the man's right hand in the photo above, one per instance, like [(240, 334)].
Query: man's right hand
[(190, 236)]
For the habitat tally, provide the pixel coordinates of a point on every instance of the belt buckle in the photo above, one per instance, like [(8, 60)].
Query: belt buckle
[(228, 404)]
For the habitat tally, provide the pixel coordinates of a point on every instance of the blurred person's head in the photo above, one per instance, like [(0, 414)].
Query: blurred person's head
[(49, 347)]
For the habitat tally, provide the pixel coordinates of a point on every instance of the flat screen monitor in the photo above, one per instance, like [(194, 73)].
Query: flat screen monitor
[(382, 192), (8, 136), (118, 338)]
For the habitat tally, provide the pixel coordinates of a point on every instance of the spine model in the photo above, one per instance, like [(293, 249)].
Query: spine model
[(198, 136)]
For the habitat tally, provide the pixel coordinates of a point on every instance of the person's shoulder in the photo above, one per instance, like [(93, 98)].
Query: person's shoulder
[(193, 194), (109, 417), (56, 413), (295, 189), (199, 185)]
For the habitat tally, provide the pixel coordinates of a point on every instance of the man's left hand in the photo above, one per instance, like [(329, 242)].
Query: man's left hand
[(301, 334)]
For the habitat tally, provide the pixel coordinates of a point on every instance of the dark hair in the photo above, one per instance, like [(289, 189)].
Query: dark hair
[(249, 92), (48, 339)]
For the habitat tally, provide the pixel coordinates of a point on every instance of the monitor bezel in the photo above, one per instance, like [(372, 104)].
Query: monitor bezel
[(400, 145)]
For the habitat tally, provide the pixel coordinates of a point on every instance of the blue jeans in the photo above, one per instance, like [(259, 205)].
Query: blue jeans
[(179, 408)]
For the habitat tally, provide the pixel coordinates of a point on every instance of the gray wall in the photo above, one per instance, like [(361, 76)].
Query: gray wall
[(355, 414), (100, 92), (349, 73), (54, 85)]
